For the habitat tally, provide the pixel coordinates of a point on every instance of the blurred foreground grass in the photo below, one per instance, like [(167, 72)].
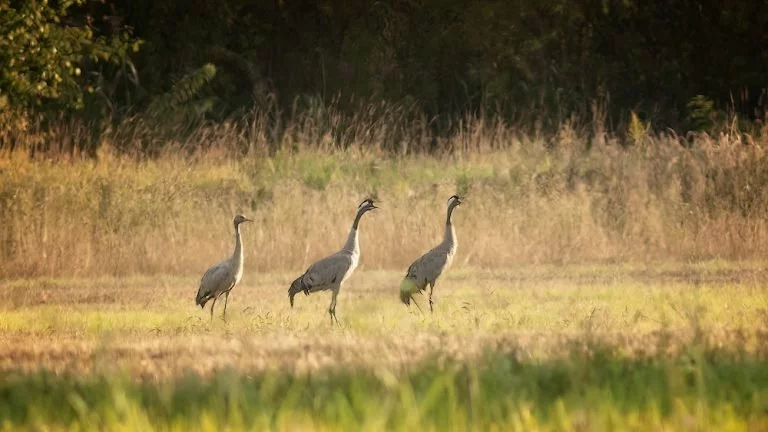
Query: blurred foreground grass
[(700, 389)]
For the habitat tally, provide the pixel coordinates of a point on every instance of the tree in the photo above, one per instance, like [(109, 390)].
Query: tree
[(44, 53)]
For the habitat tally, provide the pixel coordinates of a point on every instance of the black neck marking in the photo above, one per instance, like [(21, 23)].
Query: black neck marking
[(450, 213), (360, 214)]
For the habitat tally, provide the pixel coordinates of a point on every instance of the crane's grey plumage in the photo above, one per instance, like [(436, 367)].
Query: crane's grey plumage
[(330, 273), (221, 278), (425, 270)]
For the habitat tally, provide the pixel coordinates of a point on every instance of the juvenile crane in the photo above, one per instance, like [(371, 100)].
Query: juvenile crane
[(330, 273), (221, 278), (432, 264)]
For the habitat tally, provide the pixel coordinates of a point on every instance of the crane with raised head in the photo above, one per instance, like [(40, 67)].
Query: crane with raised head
[(331, 272), (221, 278), (425, 270)]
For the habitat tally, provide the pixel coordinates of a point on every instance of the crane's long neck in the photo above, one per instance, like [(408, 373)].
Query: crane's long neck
[(237, 256), (450, 213), (353, 243), (359, 214), (450, 233)]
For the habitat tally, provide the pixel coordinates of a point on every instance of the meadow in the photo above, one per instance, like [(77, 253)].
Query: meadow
[(600, 284), (537, 348)]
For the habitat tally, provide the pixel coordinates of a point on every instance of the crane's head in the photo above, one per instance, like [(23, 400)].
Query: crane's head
[(240, 219), (408, 288), (454, 201), (405, 298), (366, 205)]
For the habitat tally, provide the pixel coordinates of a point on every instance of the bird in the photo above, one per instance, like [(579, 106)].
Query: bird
[(221, 278), (330, 273), (425, 270)]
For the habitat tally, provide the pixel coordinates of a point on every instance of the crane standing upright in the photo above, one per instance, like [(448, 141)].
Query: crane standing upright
[(330, 272), (432, 264), (221, 278)]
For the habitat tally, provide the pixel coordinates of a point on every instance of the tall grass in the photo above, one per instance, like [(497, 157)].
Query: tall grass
[(700, 390), (134, 201)]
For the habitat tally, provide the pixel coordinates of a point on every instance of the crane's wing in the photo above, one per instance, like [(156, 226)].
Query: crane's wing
[(427, 268), (216, 280), (327, 272)]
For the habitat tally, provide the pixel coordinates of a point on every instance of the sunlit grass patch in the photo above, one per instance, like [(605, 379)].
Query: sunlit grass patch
[(580, 347)]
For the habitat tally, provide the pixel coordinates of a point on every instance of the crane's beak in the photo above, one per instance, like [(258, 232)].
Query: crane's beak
[(247, 220)]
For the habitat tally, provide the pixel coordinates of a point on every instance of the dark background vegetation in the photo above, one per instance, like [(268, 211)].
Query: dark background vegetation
[(537, 63)]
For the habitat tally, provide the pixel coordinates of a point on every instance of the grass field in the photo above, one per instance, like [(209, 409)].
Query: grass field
[(610, 347), (598, 284)]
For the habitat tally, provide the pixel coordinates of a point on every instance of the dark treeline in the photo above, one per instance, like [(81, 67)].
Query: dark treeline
[(522, 60)]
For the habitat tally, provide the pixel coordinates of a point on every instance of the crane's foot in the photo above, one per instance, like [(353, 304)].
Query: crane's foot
[(430, 304), (332, 313)]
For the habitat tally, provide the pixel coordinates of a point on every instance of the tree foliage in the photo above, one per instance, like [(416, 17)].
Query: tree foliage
[(43, 57), (517, 59)]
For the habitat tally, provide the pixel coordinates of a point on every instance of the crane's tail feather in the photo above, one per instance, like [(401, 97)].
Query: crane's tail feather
[(297, 286)]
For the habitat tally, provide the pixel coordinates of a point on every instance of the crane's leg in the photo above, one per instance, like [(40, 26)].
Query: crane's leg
[(431, 287), (212, 305), (332, 308), (226, 299)]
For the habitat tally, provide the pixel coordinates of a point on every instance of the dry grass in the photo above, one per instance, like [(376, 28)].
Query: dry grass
[(529, 201)]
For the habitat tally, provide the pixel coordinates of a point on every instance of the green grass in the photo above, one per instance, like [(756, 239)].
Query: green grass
[(636, 298), (600, 390), (562, 348)]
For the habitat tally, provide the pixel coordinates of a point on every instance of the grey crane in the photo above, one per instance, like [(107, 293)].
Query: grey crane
[(221, 278), (330, 273), (425, 270)]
